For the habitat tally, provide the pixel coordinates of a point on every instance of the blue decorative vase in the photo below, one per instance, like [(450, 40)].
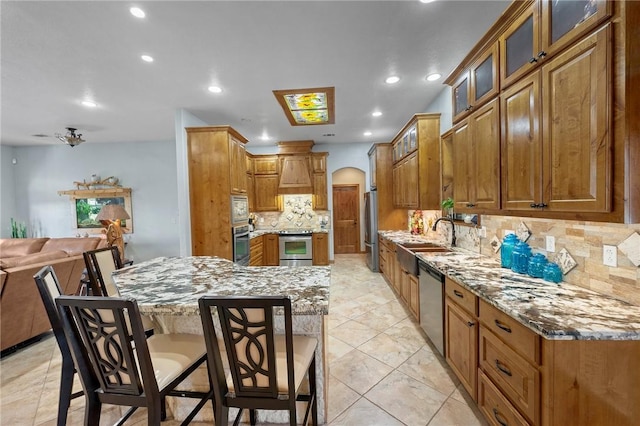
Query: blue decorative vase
[(520, 258), (552, 273), (506, 250), (537, 262)]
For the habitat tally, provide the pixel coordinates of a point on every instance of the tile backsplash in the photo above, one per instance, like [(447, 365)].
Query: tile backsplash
[(584, 242), (297, 213)]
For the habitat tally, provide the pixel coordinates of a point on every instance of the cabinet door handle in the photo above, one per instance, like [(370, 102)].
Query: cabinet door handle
[(502, 326), (470, 205), (471, 323), (499, 418), (542, 205), (542, 54), (534, 205), (533, 60), (457, 293), (500, 366)]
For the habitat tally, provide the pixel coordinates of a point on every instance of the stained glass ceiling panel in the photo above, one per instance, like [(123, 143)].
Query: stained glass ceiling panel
[(307, 106)]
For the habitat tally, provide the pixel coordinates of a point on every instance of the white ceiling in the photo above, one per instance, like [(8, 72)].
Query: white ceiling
[(57, 53)]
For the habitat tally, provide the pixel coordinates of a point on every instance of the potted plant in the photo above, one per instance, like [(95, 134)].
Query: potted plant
[(447, 206)]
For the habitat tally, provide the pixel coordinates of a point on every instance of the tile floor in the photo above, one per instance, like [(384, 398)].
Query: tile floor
[(382, 371)]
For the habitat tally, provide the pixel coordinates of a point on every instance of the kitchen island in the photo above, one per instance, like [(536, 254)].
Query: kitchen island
[(167, 290)]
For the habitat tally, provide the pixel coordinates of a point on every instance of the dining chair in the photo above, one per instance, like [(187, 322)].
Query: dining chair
[(100, 264), (119, 365), (266, 370), (49, 288)]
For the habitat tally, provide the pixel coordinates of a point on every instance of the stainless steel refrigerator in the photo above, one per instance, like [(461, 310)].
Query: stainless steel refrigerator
[(371, 229)]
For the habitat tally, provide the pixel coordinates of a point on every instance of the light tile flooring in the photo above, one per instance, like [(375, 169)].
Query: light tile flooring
[(382, 371)]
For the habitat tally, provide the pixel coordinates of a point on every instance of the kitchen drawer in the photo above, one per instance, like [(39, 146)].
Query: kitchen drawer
[(461, 296), (514, 375), (495, 407), (514, 334)]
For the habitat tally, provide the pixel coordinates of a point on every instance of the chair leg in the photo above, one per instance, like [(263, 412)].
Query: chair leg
[(312, 391), (92, 411), (155, 414), (252, 417), (66, 387)]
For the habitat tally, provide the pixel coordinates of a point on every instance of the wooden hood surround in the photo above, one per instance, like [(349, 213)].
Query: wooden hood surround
[(294, 165)]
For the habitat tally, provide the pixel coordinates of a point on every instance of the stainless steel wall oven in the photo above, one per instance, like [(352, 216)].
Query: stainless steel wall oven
[(240, 235)]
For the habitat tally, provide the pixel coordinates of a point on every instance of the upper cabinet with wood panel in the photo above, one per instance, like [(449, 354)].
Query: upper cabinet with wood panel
[(567, 112), (265, 179), (319, 169), (542, 30), (212, 154), (416, 167), (477, 84)]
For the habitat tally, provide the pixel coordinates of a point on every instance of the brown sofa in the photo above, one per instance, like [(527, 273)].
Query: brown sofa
[(22, 314)]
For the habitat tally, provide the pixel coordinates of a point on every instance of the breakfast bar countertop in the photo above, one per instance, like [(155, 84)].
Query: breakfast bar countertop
[(555, 311), (173, 285)]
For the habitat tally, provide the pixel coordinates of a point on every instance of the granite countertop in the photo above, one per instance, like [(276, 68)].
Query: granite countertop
[(173, 284), (554, 311)]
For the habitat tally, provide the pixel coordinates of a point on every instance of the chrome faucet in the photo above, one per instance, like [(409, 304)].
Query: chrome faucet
[(453, 228)]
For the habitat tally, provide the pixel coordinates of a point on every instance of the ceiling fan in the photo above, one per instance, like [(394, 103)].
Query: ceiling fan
[(71, 138)]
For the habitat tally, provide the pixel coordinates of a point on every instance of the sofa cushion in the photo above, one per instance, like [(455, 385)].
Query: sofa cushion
[(14, 247), (72, 245), (33, 258)]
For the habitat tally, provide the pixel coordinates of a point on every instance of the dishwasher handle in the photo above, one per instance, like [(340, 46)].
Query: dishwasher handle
[(431, 271)]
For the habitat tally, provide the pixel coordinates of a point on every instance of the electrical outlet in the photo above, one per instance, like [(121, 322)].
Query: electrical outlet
[(610, 255), (482, 232), (551, 243), (508, 231)]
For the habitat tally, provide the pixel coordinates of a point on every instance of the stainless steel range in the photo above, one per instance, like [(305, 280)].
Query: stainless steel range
[(296, 248)]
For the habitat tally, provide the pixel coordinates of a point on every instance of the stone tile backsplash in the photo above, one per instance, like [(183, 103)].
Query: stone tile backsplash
[(297, 213)]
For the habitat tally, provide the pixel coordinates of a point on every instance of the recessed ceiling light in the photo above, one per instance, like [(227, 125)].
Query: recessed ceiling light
[(146, 58), (433, 77), (215, 89), (265, 137), (376, 113), (137, 12), (393, 79), (89, 104), (426, 1), (367, 133)]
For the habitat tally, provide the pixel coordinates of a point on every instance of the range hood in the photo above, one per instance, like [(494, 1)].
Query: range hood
[(294, 165)]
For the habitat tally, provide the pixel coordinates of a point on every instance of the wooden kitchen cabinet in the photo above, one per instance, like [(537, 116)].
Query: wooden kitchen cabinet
[(320, 248), (294, 172), (238, 169), (476, 155), (212, 153), (414, 297), (550, 120), (265, 164), (381, 165), (319, 168), (256, 251), (416, 169), (476, 85), (461, 334), (266, 193), (271, 250)]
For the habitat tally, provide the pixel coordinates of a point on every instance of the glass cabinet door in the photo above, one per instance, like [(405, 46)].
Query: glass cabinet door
[(461, 97), (484, 77), (566, 20), (519, 46)]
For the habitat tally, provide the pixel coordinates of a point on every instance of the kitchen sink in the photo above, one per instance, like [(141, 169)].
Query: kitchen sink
[(406, 254)]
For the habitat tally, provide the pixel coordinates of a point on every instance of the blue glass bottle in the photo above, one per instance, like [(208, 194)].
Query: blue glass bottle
[(537, 262), (509, 241), (552, 273), (520, 258)]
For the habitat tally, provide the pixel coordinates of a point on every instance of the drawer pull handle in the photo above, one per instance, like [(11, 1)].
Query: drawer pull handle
[(502, 326), (457, 293), (499, 417), (503, 368)]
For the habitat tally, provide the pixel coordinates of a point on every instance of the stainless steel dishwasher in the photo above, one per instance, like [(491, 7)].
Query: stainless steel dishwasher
[(432, 304)]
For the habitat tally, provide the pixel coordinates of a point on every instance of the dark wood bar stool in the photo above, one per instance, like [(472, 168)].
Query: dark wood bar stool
[(266, 370)]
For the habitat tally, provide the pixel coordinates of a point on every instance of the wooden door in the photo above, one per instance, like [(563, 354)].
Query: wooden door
[(576, 107), (270, 250), (522, 145), (346, 214), (410, 182), (266, 193), (462, 171), (320, 244)]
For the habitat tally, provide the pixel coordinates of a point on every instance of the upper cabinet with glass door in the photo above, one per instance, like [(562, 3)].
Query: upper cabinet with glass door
[(477, 84), (542, 30)]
